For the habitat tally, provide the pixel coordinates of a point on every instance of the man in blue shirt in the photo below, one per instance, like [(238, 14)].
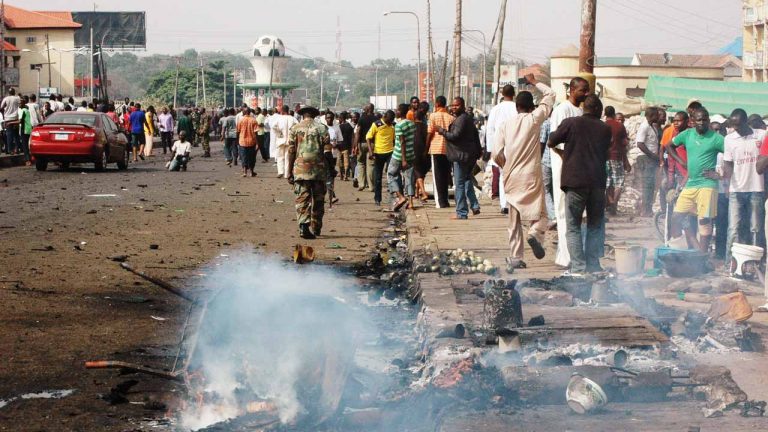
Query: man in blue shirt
[(137, 132)]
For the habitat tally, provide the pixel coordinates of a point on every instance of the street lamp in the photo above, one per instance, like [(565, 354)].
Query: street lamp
[(485, 64), (418, 49)]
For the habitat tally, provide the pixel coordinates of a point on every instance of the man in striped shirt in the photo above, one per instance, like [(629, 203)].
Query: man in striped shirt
[(400, 172), (441, 166)]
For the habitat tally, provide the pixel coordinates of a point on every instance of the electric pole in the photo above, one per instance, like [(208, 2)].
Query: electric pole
[(430, 59), (457, 52), (500, 38), (202, 74), (2, 48), (197, 85), (587, 48), (176, 84), (444, 75)]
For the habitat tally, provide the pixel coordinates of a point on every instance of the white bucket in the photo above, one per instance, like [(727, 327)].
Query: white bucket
[(584, 395), (743, 253)]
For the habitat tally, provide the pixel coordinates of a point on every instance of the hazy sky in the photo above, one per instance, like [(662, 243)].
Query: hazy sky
[(534, 30)]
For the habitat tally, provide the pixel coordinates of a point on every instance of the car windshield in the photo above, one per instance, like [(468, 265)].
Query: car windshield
[(80, 119)]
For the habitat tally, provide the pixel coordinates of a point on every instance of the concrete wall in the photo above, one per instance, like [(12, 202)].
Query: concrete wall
[(615, 80), (62, 72), (754, 48)]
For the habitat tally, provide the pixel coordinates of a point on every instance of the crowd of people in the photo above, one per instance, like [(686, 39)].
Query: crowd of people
[(549, 165)]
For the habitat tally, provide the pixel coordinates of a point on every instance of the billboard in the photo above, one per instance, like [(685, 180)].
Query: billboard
[(118, 30)]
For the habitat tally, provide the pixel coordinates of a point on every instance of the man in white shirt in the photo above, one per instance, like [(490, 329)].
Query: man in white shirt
[(745, 206), (647, 139), (578, 91), (180, 153), (505, 110), (34, 111), (282, 125), (10, 108)]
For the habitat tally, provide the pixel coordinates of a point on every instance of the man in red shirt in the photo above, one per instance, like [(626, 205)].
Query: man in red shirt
[(762, 167), (617, 163)]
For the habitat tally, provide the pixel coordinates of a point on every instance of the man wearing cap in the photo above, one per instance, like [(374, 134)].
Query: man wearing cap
[(307, 173)]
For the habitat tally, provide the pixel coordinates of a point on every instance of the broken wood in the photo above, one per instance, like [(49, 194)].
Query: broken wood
[(112, 364), (161, 283)]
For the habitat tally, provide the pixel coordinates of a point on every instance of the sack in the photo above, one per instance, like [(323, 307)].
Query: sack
[(731, 307)]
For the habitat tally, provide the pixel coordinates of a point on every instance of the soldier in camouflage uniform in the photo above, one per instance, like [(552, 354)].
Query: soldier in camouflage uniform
[(195, 117), (306, 141), (204, 132)]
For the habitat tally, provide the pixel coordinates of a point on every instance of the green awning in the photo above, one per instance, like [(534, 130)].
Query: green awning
[(719, 97)]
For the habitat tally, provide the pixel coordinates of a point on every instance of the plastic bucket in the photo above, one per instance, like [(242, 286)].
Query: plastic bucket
[(630, 259), (743, 253), (584, 395)]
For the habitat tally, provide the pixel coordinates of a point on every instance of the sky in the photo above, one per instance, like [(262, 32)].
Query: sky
[(533, 30)]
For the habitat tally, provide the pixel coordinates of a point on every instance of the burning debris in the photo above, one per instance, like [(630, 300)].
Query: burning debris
[(457, 261)]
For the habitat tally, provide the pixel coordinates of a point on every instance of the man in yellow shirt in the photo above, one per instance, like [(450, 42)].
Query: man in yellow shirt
[(381, 143)]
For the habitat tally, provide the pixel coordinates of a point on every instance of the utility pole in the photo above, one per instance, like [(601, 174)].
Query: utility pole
[(48, 50), (587, 48), (202, 74), (271, 73), (197, 85), (376, 100), (2, 48), (443, 75), (176, 85), (90, 67), (234, 88), (499, 39), (457, 51), (430, 59), (224, 74)]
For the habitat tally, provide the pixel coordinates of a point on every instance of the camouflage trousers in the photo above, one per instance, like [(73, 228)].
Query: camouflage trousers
[(205, 140), (310, 202)]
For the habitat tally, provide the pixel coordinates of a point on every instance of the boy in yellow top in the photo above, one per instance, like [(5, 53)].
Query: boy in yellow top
[(381, 143)]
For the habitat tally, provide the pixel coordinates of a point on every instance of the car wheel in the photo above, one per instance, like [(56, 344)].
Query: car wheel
[(102, 162), (41, 164), (122, 164), (65, 166)]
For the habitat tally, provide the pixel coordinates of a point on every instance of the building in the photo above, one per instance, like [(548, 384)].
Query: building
[(267, 89), (622, 84), (34, 37), (754, 51)]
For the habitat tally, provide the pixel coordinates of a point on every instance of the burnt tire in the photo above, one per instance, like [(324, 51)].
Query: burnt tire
[(101, 163), (41, 164)]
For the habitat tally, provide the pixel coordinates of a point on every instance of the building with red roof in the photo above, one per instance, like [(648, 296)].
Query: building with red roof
[(34, 37)]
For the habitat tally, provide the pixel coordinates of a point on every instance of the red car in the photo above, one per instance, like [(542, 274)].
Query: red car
[(78, 137)]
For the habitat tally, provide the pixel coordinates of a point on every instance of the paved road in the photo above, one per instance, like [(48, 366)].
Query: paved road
[(64, 302)]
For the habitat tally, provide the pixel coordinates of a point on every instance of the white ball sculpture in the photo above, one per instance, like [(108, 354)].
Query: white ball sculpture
[(267, 46)]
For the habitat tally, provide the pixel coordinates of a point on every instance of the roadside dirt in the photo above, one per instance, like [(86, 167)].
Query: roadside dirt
[(65, 301)]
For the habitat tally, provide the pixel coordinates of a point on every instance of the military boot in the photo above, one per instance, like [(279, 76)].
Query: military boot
[(305, 233)]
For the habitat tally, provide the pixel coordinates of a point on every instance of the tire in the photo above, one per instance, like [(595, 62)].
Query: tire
[(41, 164), (122, 164), (102, 162), (65, 166)]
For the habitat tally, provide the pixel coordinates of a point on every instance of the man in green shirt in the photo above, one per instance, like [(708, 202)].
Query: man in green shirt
[(401, 164), (699, 196)]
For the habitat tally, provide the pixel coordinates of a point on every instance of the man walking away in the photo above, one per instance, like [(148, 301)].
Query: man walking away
[(270, 140), (229, 135), (517, 150), (364, 163), (463, 149), (441, 166), (344, 145), (25, 129), (204, 132), (577, 92), (381, 139), (400, 172), (699, 196), (137, 132), (618, 163), (180, 153), (166, 129), (503, 111), (587, 141), (282, 127), (331, 153), (306, 142), (10, 108), (647, 140), (246, 132), (746, 200), (421, 162)]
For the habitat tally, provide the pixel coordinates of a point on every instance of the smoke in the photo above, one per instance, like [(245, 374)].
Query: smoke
[(276, 334)]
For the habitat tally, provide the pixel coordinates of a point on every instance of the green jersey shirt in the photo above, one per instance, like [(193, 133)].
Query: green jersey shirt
[(702, 155), (404, 128)]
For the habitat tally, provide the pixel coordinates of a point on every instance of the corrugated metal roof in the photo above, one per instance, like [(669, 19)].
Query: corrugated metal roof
[(719, 97)]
